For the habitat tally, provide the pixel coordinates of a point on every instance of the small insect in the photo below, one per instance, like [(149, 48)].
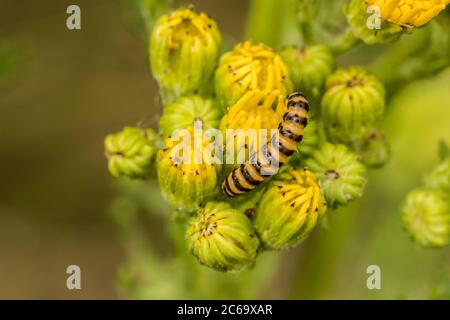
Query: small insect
[(290, 132)]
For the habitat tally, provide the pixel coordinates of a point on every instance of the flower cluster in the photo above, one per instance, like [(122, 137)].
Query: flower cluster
[(251, 89)]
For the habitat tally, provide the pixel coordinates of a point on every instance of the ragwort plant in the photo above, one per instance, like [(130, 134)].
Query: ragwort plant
[(247, 88)]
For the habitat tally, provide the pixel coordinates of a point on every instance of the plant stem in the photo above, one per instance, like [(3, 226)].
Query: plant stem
[(272, 22), (324, 253), (346, 42)]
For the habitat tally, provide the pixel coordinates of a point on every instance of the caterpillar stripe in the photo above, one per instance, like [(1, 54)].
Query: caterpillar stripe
[(290, 132)]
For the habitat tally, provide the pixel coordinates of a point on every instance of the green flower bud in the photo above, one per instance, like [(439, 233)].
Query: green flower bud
[(289, 209), (314, 136), (250, 67), (309, 67), (130, 152), (184, 47), (439, 178), (375, 151), (426, 217), (188, 171), (353, 103), (311, 139), (222, 238), (342, 176), (184, 113)]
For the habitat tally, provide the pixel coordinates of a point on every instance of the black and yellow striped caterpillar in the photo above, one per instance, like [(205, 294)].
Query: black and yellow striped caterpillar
[(290, 132)]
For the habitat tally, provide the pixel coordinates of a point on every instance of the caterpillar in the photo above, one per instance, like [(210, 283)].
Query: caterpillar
[(290, 132)]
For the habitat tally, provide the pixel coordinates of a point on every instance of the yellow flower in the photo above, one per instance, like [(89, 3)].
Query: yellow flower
[(289, 209), (188, 169), (414, 13), (397, 17), (184, 48), (257, 109), (250, 67)]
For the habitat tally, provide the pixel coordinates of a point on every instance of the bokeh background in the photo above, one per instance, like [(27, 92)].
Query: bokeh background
[(65, 90)]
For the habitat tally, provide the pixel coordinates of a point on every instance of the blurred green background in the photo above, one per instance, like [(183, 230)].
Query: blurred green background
[(67, 89)]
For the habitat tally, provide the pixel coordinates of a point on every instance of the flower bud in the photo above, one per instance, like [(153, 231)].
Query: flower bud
[(311, 139), (187, 111), (184, 47), (342, 176), (381, 21), (353, 103), (188, 170), (426, 217), (222, 238), (130, 152), (375, 151), (289, 209), (439, 178), (250, 67), (413, 13), (367, 24), (309, 67)]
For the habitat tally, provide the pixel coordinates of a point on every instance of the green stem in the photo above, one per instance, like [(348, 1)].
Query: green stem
[(324, 253), (258, 29), (272, 22), (345, 43), (415, 56)]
